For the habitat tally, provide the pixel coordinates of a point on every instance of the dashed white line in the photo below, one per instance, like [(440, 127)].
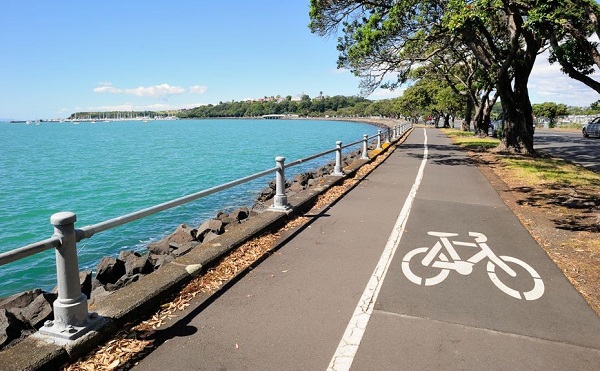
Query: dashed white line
[(348, 346)]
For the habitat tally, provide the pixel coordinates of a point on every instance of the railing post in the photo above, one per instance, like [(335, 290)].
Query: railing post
[(365, 154), (71, 318), (337, 169), (280, 200), (378, 139), (387, 136), (395, 132)]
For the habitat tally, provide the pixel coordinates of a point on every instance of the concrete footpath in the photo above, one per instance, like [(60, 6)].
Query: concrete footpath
[(421, 266)]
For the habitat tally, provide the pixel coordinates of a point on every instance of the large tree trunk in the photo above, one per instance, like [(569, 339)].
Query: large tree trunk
[(517, 132), (478, 124), (483, 113), (487, 104), (466, 124)]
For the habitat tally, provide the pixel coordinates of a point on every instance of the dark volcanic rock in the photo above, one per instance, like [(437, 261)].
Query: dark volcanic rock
[(183, 234), (266, 194), (182, 249), (85, 282), (214, 226), (240, 214), (109, 270), (10, 327), (160, 260), (228, 221), (20, 300), (122, 282), (302, 178), (39, 310), (136, 263), (296, 187), (209, 236)]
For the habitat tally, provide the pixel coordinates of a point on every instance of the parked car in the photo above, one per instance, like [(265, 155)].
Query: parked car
[(592, 128)]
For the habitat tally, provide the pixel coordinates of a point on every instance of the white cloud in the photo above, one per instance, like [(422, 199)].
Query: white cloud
[(141, 107), (106, 89), (547, 83), (386, 93), (161, 90), (198, 89)]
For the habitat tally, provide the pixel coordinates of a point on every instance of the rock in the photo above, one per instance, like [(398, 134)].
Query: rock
[(97, 294), (210, 236), (313, 182), (321, 172), (39, 310), (159, 248), (182, 235), (266, 194), (221, 215), (122, 282), (160, 260), (240, 214), (183, 249), (136, 263), (229, 221), (109, 270), (125, 254), (296, 187), (214, 226), (10, 327), (20, 300), (302, 178), (85, 282)]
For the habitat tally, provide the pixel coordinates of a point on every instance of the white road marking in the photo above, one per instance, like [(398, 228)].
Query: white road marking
[(348, 346), (465, 267)]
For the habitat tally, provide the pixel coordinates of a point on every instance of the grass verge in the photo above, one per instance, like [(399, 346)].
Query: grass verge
[(467, 140)]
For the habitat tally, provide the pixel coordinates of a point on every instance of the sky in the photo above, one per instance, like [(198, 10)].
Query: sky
[(60, 57)]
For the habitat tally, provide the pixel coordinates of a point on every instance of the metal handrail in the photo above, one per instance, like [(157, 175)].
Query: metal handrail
[(70, 308), (89, 231)]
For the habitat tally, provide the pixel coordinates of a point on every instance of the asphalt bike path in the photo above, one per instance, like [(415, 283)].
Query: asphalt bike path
[(421, 266)]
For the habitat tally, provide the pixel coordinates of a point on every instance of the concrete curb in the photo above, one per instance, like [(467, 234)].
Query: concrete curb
[(142, 297)]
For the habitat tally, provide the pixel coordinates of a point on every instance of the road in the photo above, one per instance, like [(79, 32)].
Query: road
[(358, 287), (570, 146)]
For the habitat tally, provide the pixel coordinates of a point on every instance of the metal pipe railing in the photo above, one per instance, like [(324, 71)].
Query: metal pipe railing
[(89, 231), (71, 317)]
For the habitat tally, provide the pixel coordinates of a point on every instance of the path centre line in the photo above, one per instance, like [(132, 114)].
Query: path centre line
[(348, 346)]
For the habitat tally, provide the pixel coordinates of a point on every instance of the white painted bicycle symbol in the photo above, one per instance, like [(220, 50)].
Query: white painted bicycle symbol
[(436, 258)]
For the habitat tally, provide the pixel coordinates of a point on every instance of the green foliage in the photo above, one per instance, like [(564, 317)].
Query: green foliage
[(550, 110), (319, 106), (428, 97)]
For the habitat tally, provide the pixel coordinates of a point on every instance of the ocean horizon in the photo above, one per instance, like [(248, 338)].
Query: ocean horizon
[(105, 170)]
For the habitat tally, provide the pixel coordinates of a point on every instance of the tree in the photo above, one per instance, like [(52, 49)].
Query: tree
[(550, 110), (574, 22), (382, 38)]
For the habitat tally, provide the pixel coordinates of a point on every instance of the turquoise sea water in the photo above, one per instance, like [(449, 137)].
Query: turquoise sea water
[(104, 170)]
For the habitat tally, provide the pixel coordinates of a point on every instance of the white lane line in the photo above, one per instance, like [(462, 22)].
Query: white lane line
[(348, 346)]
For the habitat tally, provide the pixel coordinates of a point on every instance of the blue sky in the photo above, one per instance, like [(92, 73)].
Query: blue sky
[(58, 57)]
